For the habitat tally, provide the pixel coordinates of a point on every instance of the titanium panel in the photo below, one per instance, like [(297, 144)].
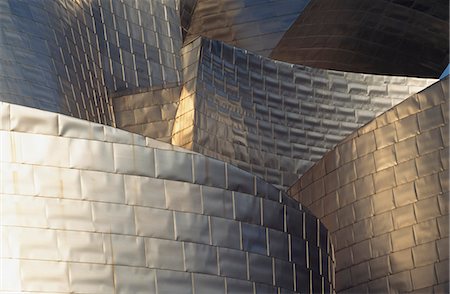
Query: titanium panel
[(238, 286), (200, 258), (276, 119), (271, 118), (156, 231), (173, 282), (395, 238), (205, 284), (385, 37), (150, 112), (134, 279), (224, 233), (71, 56), (187, 8), (135, 187), (256, 26), (233, 263), (147, 226), (217, 202)]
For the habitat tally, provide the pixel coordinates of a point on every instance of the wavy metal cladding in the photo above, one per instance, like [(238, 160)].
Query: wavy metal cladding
[(272, 118), (256, 25), (399, 37), (383, 194), (68, 56), (88, 208)]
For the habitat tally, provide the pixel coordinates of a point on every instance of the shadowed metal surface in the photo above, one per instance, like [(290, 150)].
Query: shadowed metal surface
[(400, 37), (187, 8), (68, 56), (383, 194), (253, 25), (88, 208)]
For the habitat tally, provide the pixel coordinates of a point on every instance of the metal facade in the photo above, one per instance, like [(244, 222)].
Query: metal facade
[(187, 8), (386, 37), (374, 36), (89, 205), (88, 208), (383, 194), (271, 118), (68, 56), (257, 25), (151, 113)]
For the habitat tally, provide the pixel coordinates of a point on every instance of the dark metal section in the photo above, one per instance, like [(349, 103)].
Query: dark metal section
[(253, 25), (400, 37), (187, 8)]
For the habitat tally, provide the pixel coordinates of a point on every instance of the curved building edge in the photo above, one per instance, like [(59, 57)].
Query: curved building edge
[(383, 194), (91, 208)]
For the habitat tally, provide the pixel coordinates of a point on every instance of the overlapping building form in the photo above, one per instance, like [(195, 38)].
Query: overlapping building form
[(88, 208), (271, 118), (383, 194), (139, 214)]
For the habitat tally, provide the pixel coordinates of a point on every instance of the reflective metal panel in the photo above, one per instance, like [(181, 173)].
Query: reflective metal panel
[(272, 118), (390, 217), (253, 25), (70, 56), (385, 37), (145, 217)]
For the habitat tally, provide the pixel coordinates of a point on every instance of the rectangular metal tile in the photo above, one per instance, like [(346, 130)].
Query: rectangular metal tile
[(192, 227), (205, 284), (183, 196), (113, 218), (254, 238), (200, 258), (247, 208), (225, 233), (134, 279), (169, 282), (258, 268), (144, 191), (423, 276), (217, 202), (90, 277), (78, 246), (164, 254)]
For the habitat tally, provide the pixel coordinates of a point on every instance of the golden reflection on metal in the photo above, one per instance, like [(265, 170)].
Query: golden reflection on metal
[(183, 129), (383, 194), (271, 118), (88, 208)]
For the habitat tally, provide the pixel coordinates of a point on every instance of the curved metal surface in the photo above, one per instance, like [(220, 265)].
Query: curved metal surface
[(88, 208), (93, 209), (68, 56), (383, 194), (272, 118), (386, 37), (254, 25)]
